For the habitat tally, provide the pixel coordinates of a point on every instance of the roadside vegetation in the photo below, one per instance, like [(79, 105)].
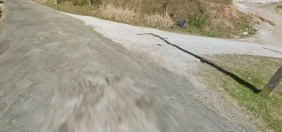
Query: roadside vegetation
[(214, 18), (242, 78), (279, 7)]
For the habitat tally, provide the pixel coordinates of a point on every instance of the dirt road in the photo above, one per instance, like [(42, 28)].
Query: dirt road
[(41, 49), (183, 54), (269, 17)]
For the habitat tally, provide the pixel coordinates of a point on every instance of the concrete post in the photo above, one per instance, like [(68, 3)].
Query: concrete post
[(273, 82)]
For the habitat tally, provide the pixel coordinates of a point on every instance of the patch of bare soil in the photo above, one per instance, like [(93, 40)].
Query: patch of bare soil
[(268, 19)]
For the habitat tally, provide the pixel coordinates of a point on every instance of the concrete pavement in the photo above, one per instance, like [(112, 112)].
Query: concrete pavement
[(41, 48)]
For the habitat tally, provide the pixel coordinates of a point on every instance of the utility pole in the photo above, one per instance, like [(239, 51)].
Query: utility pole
[(273, 82)]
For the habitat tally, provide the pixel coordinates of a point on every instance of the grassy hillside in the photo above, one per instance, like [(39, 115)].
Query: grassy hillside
[(216, 18)]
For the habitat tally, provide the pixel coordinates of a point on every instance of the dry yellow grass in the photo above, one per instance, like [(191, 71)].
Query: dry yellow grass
[(119, 14), (158, 20), (127, 15), (222, 15)]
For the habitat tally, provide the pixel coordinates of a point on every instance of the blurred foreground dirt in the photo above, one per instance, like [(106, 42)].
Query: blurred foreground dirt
[(105, 104)]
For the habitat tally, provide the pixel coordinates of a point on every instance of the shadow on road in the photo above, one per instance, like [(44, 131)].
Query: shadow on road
[(235, 77), (273, 50)]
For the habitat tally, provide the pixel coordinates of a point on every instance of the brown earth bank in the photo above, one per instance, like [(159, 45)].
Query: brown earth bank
[(215, 18)]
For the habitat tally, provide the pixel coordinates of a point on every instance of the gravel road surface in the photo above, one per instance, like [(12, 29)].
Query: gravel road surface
[(42, 49)]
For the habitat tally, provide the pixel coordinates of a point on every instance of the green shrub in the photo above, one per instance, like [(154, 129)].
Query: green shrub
[(85, 2), (60, 1), (97, 2), (172, 14), (75, 2), (199, 21)]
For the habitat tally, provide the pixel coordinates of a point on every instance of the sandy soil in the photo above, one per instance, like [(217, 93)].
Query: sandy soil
[(269, 29)]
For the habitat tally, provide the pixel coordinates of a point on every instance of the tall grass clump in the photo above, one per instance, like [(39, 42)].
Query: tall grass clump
[(199, 21)]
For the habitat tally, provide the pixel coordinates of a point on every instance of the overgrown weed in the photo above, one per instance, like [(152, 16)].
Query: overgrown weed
[(199, 21)]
